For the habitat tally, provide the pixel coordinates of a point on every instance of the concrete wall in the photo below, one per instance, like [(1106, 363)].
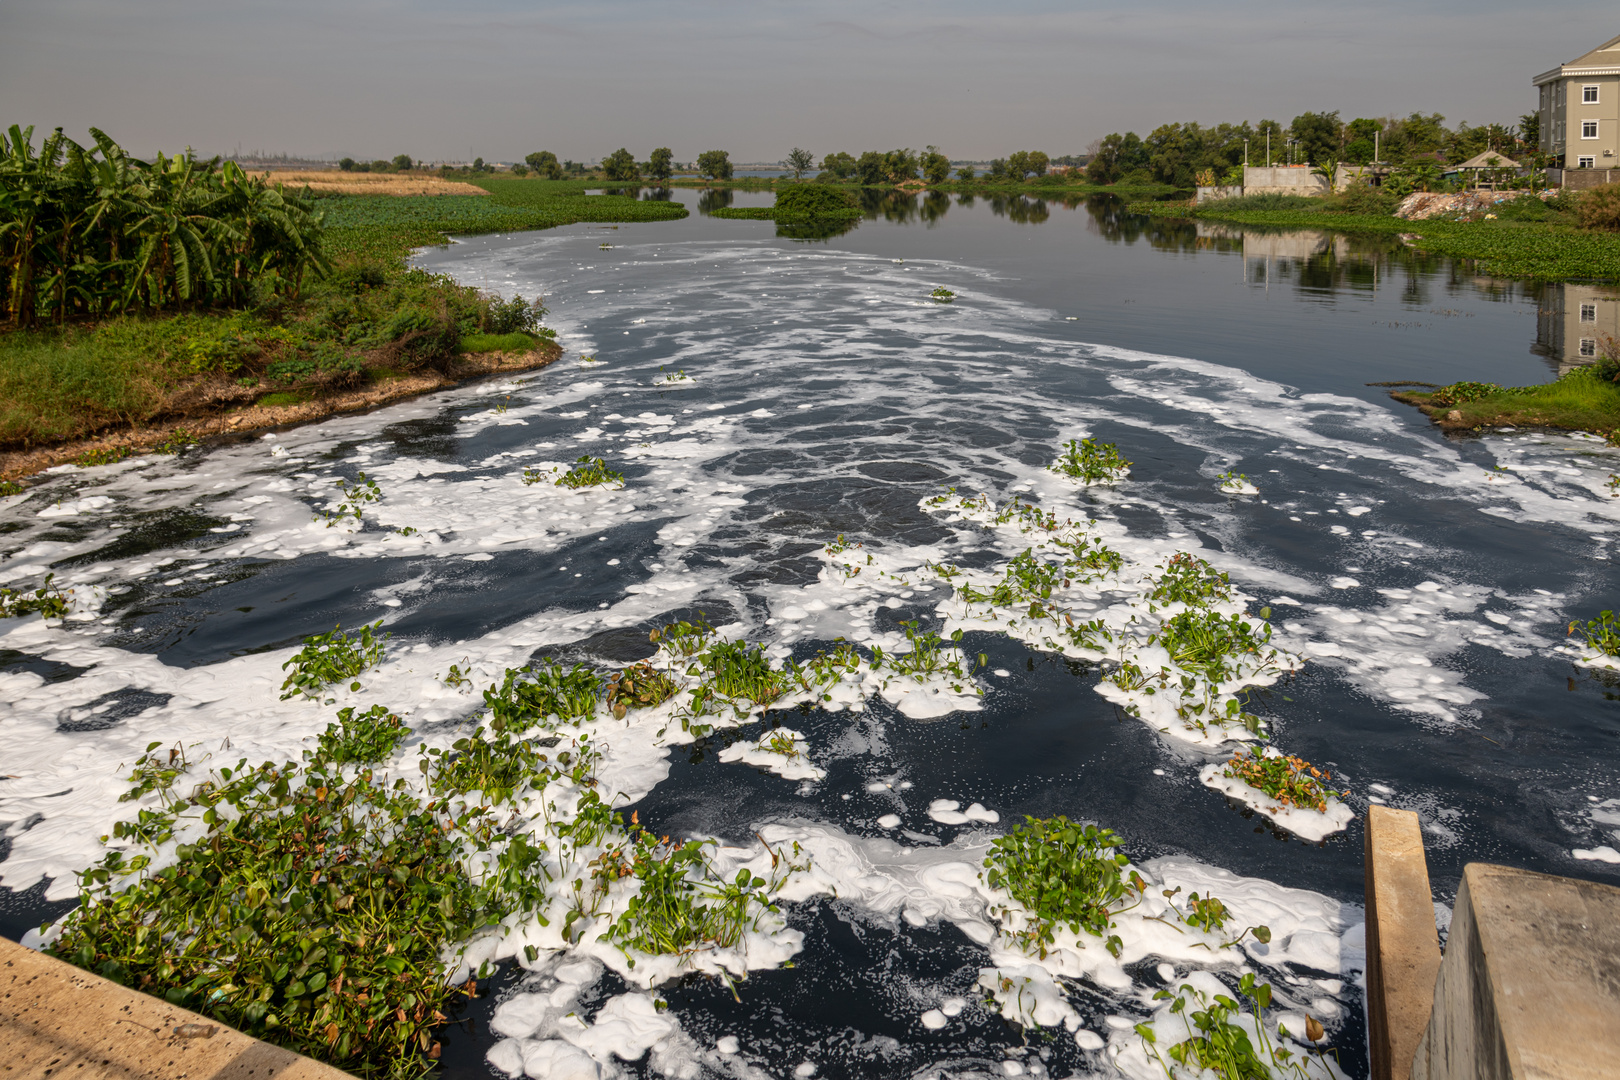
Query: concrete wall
[(1205, 194), (1530, 986), (1582, 179), (1403, 946), (59, 1021), (1282, 180)]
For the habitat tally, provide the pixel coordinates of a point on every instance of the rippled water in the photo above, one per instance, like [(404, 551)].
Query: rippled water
[(1426, 581)]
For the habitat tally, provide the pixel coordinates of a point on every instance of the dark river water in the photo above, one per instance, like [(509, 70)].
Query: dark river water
[(764, 395)]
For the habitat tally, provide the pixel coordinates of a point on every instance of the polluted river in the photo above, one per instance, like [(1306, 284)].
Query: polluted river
[(841, 579)]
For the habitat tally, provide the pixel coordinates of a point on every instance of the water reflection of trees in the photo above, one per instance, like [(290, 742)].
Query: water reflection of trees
[(713, 199), (817, 229), (657, 194)]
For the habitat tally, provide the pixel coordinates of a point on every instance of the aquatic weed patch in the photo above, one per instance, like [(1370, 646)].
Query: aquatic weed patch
[(543, 695), (1221, 1039), (369, 737), (333, 657), (1290, 780), (1186, 579), (304, 905), (1601, 633), (1212, 644), (1061, 873), (941, 295), (1091, 462), (49, 600), (586, 471), (352, 504), (639, 686)]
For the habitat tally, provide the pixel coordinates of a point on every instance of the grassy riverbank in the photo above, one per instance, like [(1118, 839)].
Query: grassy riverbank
[(1585, 399), (1518, 243), (371, 331)]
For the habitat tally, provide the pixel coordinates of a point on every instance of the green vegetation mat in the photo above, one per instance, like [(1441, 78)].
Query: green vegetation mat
[(389, 227), (1506, 248)]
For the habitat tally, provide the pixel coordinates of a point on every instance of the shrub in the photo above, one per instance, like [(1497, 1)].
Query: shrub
[(1600, 208), (514, 316), (1366, 199), (812, 201), (1461, 393)]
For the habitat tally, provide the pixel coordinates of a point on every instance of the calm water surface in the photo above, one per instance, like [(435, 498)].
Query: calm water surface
[(1428, 581)]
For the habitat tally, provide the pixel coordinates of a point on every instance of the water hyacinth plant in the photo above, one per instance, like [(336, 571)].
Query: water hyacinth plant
[(1062, 874), (1214, 1044), (1212, 644), (1091, 462), (639, 686), (1290, 780), (50, 601), (543, 695), (355, 497), (1601, 633), (1186, 579), (329, 658), (586, 471), (314, 904), (941, 295)]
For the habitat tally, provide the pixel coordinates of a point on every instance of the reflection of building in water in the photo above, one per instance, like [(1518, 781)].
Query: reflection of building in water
[(1575, 322), (1262, 248)]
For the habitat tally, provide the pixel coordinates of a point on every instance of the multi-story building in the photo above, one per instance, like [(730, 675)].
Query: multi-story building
[(1580, 109)]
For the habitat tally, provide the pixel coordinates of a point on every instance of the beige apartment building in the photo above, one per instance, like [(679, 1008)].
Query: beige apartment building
[(1580, 109)]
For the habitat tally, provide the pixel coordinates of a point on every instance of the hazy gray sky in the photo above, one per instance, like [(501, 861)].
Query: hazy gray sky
[(499, 78)]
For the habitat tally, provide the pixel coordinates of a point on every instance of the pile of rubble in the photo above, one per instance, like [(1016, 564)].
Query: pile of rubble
[(1421, 205)]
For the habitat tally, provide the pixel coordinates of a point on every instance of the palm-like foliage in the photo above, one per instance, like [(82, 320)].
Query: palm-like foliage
[(95, 231)]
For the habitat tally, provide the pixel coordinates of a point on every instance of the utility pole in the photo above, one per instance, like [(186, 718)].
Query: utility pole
[(1268, 148)]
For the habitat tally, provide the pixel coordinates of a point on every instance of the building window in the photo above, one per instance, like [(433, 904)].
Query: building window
[(1588, 129), (1588, 346), (1589, 95), (1588, 313), (1584, 163)]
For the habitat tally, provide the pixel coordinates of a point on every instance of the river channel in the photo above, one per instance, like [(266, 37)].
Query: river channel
[(765, 396)]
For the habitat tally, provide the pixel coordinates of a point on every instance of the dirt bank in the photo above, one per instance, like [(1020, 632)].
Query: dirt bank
[(209, 418)]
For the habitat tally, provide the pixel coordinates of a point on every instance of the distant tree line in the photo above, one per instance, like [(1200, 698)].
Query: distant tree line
[(874, 168), (1178, 153), (400, 163)]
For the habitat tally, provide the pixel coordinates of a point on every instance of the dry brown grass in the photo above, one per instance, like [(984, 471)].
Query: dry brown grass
[(353, 183)]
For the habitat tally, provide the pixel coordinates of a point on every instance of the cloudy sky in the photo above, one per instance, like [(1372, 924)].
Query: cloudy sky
[(445, 79)]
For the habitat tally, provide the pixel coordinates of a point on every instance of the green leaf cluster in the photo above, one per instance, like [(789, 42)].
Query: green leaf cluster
[(332, 657), (1091, 462)]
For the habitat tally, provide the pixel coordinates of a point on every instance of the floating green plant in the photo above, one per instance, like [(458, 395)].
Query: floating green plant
[(329, 658), (355, 497), (639, 686), (736, 671), (586, 471), (1091, 462), (1187, 579), (676, 376), (1062, 874), (1212, 644), (317, 905), (10, 487), (368, 737), (929, 655), (1214, 1044), (942, 295), (543, 695), (50, 601), (1290, 780), (456, 677), (827, 669), (683, 639), (1601, 633), (682, 906), (1234, 482)]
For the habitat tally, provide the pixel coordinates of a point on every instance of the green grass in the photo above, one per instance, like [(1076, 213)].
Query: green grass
[(283, 398), (1579, 401), (1522, 242), (486, 343)]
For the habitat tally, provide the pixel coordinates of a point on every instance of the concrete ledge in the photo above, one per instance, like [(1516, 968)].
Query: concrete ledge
[(1403, 947), (1530, 987), (57, 1020)]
